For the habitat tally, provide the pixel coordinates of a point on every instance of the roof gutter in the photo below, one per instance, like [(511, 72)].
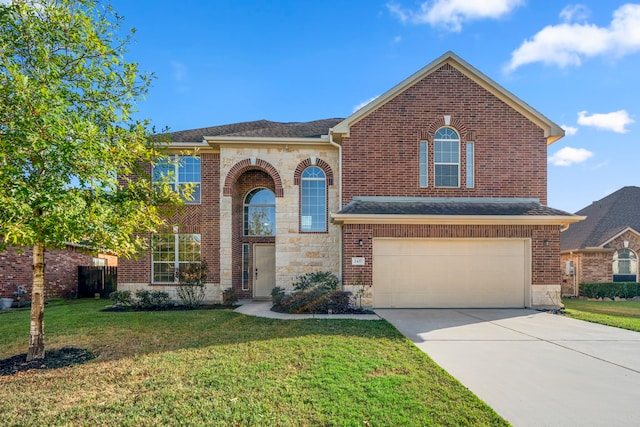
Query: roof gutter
[(456, 219), (339, 147)]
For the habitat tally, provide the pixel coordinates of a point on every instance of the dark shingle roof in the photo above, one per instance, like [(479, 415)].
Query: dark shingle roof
[(258, 128), (449, 206), (605, 218)]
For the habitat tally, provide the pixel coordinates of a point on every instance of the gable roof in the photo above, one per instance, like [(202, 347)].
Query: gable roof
[(606, 218), (552, 131), (258, 128)]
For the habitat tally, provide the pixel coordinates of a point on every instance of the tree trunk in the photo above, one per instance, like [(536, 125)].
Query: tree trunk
[(36, 334)]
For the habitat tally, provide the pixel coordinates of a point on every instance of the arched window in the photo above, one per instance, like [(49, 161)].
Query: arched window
[(447, 157), (625, 266), (313, 200), (260, 213)]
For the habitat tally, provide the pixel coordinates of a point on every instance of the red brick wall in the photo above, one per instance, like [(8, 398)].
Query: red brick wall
[(61, 271), (544, 266), (203, 219), (510, 151), (595, 267)]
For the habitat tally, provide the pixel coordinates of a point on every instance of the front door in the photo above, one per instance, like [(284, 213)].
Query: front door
[(264, 269)]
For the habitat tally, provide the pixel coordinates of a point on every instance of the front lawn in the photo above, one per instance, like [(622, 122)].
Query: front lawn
[(217, 367), (621, 314)]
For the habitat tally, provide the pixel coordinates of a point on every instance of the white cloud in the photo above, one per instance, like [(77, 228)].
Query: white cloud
[(568, 155), (451, 14), (575, 13), (569, 130), (363, 103), (569, 43), (615, 121)]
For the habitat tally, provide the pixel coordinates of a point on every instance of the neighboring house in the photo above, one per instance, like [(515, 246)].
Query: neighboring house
[(61, 270), (605, 246), (432, 195)]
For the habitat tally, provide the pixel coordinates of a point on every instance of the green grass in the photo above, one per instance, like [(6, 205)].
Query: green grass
[(217, 367), (621, 314)]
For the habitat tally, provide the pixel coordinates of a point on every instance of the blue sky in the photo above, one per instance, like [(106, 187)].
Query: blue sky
[(225, 61)]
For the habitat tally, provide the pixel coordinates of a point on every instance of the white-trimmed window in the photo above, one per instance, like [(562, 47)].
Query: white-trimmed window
[(245, 266), (471, 165), (313, 200), (260, 213), (169, 252), (424, 165), (180, 172), (446, 157), (625, 266)]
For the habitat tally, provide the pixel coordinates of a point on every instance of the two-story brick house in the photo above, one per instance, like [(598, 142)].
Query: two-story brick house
[(434, 194)]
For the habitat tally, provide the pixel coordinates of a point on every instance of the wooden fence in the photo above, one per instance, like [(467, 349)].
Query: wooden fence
[(97, 280)]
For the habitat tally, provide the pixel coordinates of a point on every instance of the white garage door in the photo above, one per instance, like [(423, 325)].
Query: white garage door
[(433, 273)]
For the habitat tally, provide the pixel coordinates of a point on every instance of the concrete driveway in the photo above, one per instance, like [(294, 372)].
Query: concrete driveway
[(533, 368)]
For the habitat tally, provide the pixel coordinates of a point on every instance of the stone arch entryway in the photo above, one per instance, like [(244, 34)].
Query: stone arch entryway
[(253, 187)]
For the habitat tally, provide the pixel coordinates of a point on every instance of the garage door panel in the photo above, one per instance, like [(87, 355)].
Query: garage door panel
[(449, 273)]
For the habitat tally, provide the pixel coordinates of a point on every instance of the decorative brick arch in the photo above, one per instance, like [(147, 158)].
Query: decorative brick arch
[(251, 164), (319, 163), (455, 123)]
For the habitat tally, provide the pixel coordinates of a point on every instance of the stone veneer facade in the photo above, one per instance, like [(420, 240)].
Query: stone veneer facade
[(297, 253)]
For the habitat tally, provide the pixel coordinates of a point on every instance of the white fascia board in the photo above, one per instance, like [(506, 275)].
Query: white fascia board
[(456, 219), (628, 229), (324, 140), (184, 145)]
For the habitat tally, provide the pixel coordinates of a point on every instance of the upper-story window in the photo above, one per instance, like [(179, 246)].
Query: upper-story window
[(424, 164), (180, 172), (313, 200), (446, 144), (625, 266), (260, 213)]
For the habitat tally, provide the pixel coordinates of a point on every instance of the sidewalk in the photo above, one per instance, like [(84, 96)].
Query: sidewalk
[(263, 309)]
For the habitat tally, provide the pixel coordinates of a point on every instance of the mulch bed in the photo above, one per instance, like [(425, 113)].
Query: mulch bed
[(53, 359)]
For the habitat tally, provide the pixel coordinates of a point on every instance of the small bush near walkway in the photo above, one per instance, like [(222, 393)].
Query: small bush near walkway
[(314, 293)]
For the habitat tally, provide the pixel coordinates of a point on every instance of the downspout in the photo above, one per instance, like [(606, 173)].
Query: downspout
[(339, 147)]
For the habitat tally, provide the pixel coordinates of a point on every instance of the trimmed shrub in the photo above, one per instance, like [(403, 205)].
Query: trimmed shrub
[(323, 280), (152, 300), (229, 297), (314, 293), (610, 290), (121, 298), (278, 296), (340, 302)]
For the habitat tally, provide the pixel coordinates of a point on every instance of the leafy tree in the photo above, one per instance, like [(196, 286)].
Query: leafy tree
[(69, 146)]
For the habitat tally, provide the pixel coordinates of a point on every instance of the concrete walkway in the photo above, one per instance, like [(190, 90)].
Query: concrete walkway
[(263, 309), (533, 368)]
